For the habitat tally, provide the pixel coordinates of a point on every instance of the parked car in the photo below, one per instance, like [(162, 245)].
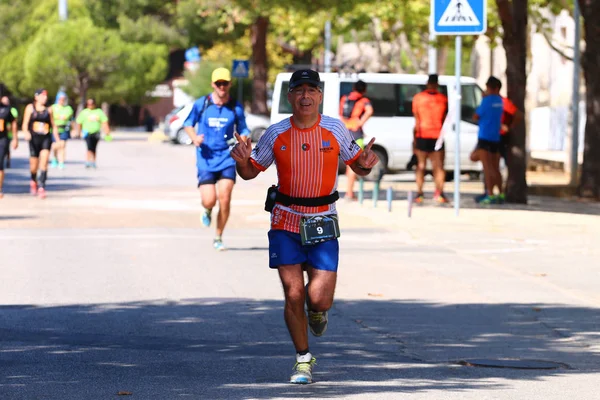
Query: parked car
[(256, 123)]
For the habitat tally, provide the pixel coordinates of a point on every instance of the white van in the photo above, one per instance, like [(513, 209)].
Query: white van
[(392, 122)]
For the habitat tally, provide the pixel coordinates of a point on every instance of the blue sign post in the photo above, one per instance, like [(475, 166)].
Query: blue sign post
[(240, 69), (458, 17)]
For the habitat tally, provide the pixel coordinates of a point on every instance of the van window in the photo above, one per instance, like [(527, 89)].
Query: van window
[(406, 94), (284, 105), (382, 97), (471, 99)]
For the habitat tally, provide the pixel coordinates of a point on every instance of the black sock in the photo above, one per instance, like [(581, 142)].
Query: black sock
[(34, 176), (43, 176), (303, 352)]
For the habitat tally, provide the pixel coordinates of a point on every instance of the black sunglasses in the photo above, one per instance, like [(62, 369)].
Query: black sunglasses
[(222, 83)]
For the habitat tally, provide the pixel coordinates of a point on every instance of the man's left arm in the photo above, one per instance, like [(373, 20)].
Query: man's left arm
[(105, 126), (361, 161), (366, 115)]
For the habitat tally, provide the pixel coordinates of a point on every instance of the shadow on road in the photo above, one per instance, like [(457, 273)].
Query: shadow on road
[(235, 348)]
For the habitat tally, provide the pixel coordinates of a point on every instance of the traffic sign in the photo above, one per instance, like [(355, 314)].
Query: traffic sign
[(240, 68), (459, 17)]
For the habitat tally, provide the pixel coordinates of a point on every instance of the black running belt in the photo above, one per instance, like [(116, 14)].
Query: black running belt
[(307, 201)]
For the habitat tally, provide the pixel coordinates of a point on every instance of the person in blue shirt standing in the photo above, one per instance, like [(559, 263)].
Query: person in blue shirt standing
[(489, 116), (217, 116)]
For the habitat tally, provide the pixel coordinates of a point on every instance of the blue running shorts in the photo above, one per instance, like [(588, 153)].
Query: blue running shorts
[(285, 248), (210, 178)]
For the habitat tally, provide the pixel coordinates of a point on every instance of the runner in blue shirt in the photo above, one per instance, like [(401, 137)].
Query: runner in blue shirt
[(218, 116), (489, 116)]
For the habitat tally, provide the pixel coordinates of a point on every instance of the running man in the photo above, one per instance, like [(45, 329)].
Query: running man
[(63, 116), (355, 110), (304, 227), (8, 128), (489, 115), (39, 126), (5, 101), (430, 108), (89, 123), (217, 116)]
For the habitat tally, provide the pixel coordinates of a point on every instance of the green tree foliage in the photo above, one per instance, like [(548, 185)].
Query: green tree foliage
[(116, 49), (84, 57)]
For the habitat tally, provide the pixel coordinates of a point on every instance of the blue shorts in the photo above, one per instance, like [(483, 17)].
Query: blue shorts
[(66, 135), (210, 177), (285, 248)]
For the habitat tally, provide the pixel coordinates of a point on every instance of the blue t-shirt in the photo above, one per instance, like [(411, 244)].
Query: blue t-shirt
[(217, 124), (490, 117)]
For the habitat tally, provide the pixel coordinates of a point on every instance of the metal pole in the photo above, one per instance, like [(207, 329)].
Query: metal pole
[(62, 10), (389, 197), (327, 61), (575, 109), (432, 51), (457, 125), (241, 91)]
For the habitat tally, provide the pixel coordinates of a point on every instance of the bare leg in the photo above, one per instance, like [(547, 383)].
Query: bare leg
[(208, 195), (488, 171), (321, 288), (439, 174), (420, 173), (224, 189), (60, 151), (33, 166), (292, 279), (498, 181)]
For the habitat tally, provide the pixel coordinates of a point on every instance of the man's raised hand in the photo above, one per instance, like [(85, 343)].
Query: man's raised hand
[(242, 150), (368, 159)]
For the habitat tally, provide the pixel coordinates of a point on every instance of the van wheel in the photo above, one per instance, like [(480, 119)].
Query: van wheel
[(380, 169), (475, 176), (449, 176)]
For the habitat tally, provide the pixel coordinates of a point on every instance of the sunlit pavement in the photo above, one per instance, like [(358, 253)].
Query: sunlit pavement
[(110, 285)]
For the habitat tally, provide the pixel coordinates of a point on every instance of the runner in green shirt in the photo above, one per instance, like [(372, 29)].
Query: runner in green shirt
[(90, 121), (63, 115)]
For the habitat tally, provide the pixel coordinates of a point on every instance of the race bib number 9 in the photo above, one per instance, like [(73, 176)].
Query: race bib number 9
[(319, 228), (41, 127)]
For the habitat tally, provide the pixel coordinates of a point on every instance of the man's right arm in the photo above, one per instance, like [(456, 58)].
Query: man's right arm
[(191, 121)]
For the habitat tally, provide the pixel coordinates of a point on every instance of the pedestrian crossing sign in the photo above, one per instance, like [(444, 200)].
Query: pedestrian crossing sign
[(240, 68), (459, 17)]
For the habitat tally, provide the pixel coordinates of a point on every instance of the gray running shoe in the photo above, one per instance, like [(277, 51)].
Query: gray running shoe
[(303, 369)]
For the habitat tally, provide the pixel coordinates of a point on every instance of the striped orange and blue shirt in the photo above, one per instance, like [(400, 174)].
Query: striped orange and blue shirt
[(306, 162)]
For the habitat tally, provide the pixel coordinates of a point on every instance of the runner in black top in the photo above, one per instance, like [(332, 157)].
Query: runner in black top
[(38, 125)]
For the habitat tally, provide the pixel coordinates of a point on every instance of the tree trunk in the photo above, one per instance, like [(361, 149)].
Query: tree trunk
[(513, 15), (259, 64), (83, 90), (442, 59), (589, 186)]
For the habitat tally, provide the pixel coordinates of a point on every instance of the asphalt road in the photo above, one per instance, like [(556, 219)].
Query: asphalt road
[(111, 285)]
